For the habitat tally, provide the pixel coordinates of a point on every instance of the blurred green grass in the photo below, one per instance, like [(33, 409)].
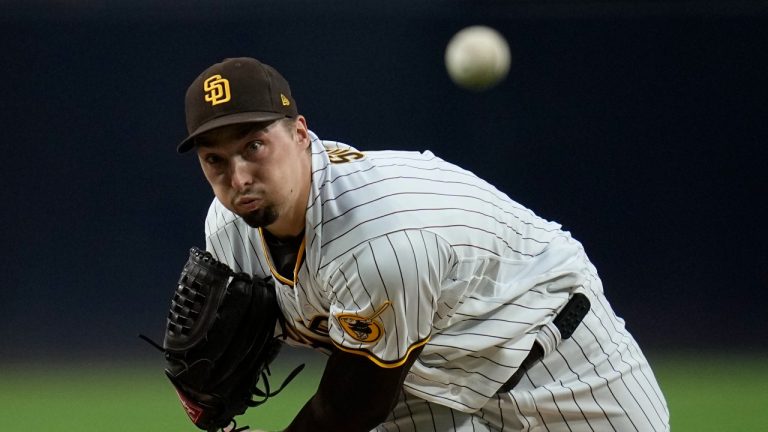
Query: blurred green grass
[(714, 392), (92, 396), (705, 392)]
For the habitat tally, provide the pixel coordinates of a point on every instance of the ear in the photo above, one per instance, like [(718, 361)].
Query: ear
[(302, 131)]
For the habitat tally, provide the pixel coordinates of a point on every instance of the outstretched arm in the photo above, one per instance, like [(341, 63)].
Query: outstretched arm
[(354, 394)]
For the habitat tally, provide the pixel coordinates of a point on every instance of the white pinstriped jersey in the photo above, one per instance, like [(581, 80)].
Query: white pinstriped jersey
[(403, 249)]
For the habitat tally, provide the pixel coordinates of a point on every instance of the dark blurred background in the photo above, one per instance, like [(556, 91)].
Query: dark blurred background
[(640, 126)]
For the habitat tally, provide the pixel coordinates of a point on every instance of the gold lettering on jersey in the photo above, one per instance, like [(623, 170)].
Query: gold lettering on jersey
[(284, 100), (363, 329), (338, 155), (216, 90)]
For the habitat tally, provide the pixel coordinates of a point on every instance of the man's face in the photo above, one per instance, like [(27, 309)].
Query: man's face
[(261, 173)]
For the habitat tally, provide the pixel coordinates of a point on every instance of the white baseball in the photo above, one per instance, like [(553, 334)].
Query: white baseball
[(477, 58)]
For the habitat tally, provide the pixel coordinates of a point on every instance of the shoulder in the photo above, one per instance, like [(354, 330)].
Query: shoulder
[(420, 253)]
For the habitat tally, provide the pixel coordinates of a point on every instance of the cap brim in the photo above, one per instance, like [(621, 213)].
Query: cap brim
[(245, 117)]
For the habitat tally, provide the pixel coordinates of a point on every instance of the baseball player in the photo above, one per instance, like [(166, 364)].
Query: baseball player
[(443, 304)]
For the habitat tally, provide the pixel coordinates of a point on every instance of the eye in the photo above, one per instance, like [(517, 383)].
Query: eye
[(253, 146), (212, 159)]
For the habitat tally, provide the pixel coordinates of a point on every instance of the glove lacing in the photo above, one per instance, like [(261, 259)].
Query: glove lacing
[(264, 394)]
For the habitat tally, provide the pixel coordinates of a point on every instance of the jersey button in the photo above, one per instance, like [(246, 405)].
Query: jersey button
[(455, 390)]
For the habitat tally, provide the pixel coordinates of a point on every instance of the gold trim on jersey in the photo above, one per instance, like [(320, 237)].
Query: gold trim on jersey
[(272, 268), (379, 362), (363, 329)]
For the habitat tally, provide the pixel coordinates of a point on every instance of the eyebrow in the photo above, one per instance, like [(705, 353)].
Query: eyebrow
[(239, 133)]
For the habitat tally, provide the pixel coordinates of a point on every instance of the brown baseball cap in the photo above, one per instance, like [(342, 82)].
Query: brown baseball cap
[(237, 90)]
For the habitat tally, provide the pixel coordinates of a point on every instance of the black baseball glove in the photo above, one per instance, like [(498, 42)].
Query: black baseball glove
[(219, 341)]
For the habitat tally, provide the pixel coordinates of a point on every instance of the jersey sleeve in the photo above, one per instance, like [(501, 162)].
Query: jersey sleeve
[(384, 295)]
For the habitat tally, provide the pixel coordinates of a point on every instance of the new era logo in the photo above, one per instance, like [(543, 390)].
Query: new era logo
[(216, 90)]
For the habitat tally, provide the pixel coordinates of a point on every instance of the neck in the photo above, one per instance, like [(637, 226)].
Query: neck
[(293, 218), (284, 233), (292, 224)]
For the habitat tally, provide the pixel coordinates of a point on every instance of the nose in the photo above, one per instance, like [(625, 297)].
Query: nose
[(241, 174)]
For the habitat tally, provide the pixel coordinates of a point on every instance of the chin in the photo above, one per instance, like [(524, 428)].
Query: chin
[(260, 218)]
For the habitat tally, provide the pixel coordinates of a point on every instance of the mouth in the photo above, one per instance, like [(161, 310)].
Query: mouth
[(247, 204)]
